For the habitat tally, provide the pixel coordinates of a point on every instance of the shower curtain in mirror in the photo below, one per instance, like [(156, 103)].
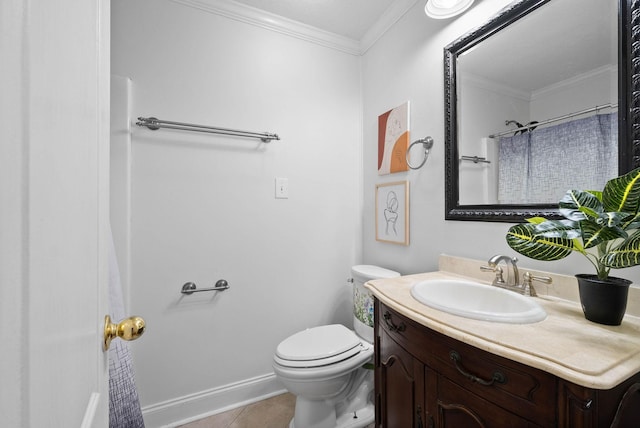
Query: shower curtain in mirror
[(124, 405), (541, 165)]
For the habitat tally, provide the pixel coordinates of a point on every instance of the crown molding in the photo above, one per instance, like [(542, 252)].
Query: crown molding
[(605, 70), (493, 86), (269, 21), (392, 15)]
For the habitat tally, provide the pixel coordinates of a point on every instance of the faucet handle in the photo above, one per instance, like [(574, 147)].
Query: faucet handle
[(528, 280), (498, 271)]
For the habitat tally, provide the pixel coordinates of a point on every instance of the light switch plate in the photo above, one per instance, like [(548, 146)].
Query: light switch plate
[(282, 188)]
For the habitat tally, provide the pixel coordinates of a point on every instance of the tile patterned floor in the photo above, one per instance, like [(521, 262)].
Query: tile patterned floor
[(275, 412)]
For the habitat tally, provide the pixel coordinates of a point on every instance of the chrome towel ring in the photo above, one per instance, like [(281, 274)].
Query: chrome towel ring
[(427, 143)]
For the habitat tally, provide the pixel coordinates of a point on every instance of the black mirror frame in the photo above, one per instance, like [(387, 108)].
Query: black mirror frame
[(628, 108)]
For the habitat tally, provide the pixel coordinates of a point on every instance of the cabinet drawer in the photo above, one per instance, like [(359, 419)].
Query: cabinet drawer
[(513, 386), (407, 333), (516, 387), (456, 407)]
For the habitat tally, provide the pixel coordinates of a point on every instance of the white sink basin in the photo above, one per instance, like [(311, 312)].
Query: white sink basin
[(478, 301)]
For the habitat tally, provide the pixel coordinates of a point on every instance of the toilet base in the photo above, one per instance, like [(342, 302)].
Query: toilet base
[(360, 419), (363, 417), (356, 410)]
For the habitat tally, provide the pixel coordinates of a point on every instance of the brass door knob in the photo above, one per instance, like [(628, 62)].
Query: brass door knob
[(127, 329)]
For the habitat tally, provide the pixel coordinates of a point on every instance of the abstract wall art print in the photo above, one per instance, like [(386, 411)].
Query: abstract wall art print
[(393, 140), (392, 212)]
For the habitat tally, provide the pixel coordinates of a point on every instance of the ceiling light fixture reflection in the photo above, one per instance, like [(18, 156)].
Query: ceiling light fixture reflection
[(443, 9)]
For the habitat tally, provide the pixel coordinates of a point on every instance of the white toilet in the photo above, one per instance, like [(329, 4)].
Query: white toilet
[(323, 366)]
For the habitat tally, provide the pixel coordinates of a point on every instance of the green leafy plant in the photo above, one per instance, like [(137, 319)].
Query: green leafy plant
[(603, 226)]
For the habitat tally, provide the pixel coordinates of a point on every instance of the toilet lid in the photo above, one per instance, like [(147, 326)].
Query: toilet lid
[(319, 343), (368, 272)]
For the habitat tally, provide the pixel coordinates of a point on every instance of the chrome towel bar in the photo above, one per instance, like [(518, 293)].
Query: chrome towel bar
[(190, 287), (475, 159), (154, 124)]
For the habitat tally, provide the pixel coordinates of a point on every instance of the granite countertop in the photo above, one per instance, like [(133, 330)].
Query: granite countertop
[(564, 344)]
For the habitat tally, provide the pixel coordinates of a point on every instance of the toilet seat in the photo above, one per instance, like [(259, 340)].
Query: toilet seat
[(318, 346)]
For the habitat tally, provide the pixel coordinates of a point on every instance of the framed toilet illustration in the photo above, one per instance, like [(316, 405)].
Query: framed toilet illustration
[(392, 212)]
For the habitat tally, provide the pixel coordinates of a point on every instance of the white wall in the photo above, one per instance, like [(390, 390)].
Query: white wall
[(406, 64), (203, 206)]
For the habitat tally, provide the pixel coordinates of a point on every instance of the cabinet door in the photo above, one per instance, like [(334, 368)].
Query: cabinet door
[(580, 407), (456, 407), (627, 414), (400, 395)]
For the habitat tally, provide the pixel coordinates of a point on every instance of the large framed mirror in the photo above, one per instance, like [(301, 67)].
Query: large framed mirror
[(545, 91)]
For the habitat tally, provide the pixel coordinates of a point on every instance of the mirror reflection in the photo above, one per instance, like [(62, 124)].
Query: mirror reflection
[(537, 106)]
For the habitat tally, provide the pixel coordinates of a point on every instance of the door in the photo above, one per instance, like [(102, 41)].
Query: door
[(53, 212)]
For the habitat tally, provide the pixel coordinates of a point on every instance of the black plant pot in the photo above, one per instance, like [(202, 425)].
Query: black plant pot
[(603, 301)]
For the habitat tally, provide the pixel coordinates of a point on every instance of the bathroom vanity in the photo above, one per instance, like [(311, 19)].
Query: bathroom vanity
[(435, 369)]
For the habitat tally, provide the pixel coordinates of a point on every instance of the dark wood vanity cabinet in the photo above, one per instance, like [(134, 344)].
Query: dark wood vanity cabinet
[(424, 379)]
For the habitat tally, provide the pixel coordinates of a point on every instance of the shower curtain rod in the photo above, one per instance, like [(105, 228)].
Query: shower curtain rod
[(555, 119), (154, 124)]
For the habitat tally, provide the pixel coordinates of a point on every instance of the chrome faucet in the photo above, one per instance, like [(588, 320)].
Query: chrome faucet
[(513, 279)]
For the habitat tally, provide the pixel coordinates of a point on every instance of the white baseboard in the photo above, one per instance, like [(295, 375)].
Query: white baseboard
[(182, 410)]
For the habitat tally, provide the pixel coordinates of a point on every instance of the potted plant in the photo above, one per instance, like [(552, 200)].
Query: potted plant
[(604, 226)]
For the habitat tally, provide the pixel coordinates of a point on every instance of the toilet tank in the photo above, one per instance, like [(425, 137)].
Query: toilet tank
[(363, 299)]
